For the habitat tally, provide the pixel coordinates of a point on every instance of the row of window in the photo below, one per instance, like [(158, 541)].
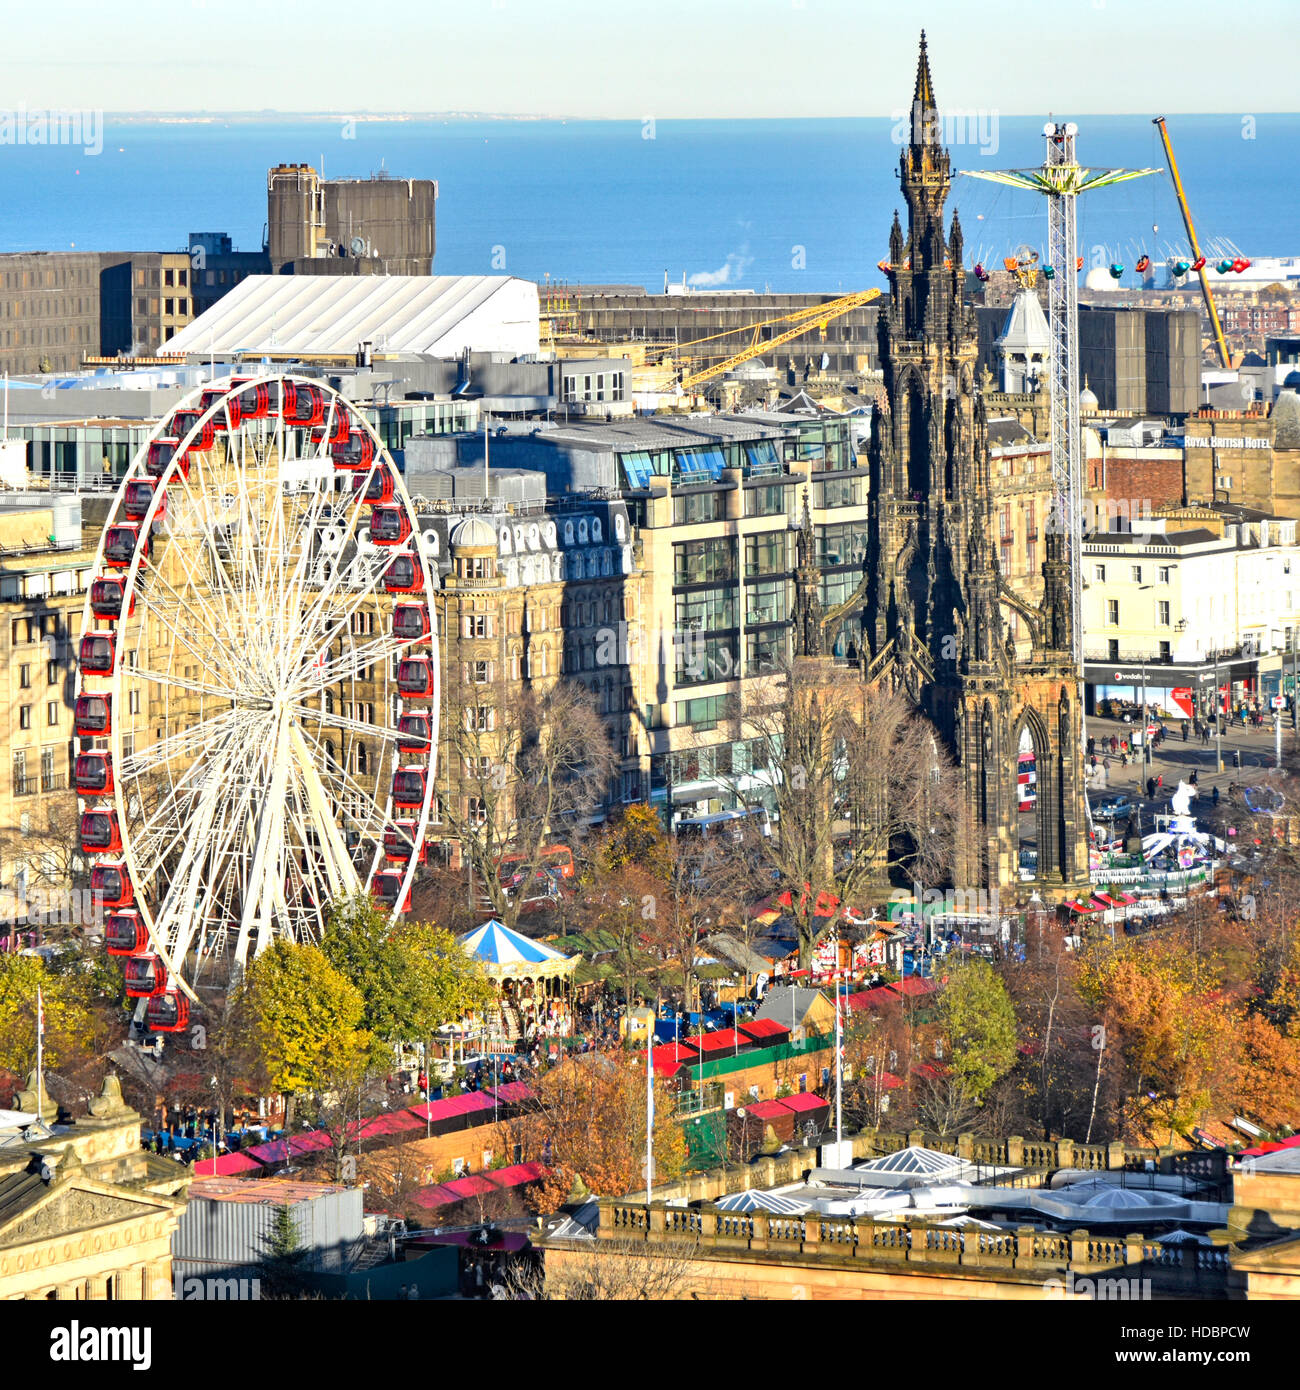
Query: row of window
[(1164, 573), (1112, 613)]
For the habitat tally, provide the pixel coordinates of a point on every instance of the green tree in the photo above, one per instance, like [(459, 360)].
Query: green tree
[(412, 978), (307, 1017), (980, 1023), (284, 1256)]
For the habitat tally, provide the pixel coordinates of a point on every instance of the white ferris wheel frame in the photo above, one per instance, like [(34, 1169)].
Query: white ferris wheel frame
[(213, 774)]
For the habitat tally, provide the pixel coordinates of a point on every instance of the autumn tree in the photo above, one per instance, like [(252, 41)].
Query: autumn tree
[(589, 1115), (82, 1019), (861, 784), (545, 763)]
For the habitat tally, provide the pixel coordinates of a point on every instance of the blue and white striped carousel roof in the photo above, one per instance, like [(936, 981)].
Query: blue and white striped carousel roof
[(495, 944)]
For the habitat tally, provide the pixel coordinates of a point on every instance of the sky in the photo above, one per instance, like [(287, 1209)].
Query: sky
[(598, 59)]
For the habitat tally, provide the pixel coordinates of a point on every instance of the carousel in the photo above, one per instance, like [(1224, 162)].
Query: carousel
[(533, 981)]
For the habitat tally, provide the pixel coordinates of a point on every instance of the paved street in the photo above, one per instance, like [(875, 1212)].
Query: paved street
[(1174, 759)]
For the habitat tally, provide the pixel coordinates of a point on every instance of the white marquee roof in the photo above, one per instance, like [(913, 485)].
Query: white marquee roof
[(441, 315)]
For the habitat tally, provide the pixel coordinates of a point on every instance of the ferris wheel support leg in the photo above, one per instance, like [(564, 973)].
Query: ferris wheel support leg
[(268, 854), (339, 870)]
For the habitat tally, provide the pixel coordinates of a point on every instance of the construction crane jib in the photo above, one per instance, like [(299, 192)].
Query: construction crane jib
[(805, 320)]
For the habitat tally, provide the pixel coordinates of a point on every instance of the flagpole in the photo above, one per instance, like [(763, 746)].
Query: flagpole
[(40, 1037), (839, 1057), (649, 1115)]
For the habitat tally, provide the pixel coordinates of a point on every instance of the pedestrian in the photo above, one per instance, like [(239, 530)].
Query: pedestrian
[(1151, 788), (413, 1293), (402, 1293), (1214, 796), (1160, 782), (1193, 777), (1184, 731)]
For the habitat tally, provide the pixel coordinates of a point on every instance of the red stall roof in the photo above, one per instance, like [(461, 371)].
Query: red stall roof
[(766, 1109), (804, 1102), (762, 1028), (226, 1165), (473, 1185), (467, 1103), (871, 998), (511, 1093), (517, 1174), (277, 1150), (724, 1040), (913, 985), (668, 1059)]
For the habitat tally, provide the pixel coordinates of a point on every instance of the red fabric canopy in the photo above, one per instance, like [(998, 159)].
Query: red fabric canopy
[(671, 1057), (913, 985)]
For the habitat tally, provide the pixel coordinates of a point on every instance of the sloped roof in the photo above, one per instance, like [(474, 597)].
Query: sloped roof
[(496, 944), (333, 314), (914, 1161), (788, 1007)]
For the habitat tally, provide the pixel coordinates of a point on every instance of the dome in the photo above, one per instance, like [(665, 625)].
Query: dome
[(1088, 402), (474, 533), (1292, 382)]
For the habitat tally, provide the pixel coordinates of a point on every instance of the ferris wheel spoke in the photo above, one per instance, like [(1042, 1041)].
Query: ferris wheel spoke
[(195, 614), (381, 733)]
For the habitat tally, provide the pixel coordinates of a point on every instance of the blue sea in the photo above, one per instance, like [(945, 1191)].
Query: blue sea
[(786, 205)]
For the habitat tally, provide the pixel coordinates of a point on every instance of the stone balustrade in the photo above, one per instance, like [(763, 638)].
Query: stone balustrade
[(709, 1232)]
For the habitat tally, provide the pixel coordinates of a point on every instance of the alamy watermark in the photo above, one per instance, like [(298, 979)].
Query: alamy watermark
[(193, 1289), (52, 907), (1099, 1290), (19, 126), (951, 125)]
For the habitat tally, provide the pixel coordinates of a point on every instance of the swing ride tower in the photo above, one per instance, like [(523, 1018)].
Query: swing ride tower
[(1061, 179)]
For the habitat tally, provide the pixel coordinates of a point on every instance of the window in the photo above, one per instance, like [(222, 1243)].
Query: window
[(704, 562), (837, 492), (133, 702), (478, 769), (1099, 573), (24, 716), (25, 677), (765, 501), (169, 305), (766, 602), (841, 544), (692, 507), (1163, 574), (1166, 652), (1162, 608), (1112, 611), (701, 658), (479, 719), (476, 567), (168, 277), (767, 554), (476, 810), (52, 714), (476, 625), (52, 672), (1137, 573), (1112, 649), (703, 713), (706, 609), (764, 651), (479, 672)]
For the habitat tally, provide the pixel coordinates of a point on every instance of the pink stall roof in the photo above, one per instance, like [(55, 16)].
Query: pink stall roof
[(511, 1093), (226, 1165), (277, 1151), (466, 1104)]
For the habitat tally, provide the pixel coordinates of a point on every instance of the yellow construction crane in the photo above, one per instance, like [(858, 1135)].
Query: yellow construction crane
[(1198, 260), (803, 320)]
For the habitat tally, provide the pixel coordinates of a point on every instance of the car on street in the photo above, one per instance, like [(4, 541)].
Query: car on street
[(1116, 807)]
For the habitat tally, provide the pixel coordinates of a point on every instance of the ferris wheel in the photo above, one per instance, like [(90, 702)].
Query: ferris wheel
[(257, 689)]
